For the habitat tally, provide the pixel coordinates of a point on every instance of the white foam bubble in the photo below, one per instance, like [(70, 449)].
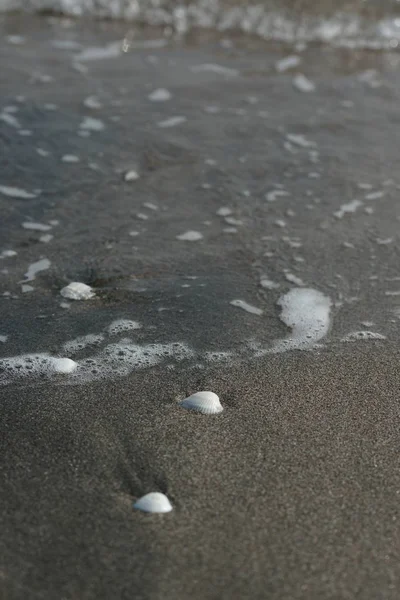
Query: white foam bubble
[(160, 95), (303, 84), (300, 140), (81, 342), (348, 208), (233, 221), (92, 102), (294, 279), (212, 109), (3, 338), (217, 69), (41, 265), (131, 175), (280, 223), (33, 366), (375, 195), (307, 312), (14, 192), (8, 253), (115, 360), (26, 288), (70, 158), (246, 306), (122, 325), (41, 78), (77, 291), (65, 44), (268, 284), (36, 226), (292, 242), (112, 50), (273, 195), (124, 357), (357, 336), (46, 238), (172, 122), (218, 356), (16, 40), (91, 124), (190, 236), (289, 62), (150, 205), (224, 211), (10, 120), (149, 44), (80, 68)]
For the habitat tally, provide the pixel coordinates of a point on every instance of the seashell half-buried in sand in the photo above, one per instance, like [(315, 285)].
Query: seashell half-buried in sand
[(203, 402), (154, 502)]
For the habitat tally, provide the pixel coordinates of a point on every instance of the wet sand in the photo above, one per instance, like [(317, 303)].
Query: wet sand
[(292, 491)]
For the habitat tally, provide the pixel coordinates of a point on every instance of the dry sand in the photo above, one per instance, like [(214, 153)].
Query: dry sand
[(291, 493)]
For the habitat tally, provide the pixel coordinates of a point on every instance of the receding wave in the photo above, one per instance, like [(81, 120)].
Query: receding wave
[(359, 24)]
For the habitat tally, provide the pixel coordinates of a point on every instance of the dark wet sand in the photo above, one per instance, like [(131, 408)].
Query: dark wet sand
[(291, 493)]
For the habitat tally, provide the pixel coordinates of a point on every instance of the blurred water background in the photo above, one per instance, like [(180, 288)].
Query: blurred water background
[(371, 24)]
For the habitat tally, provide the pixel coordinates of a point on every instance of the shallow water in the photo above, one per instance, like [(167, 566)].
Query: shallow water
[(256, 187)]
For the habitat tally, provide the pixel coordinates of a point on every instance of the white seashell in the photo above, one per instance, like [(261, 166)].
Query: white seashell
[(155, 502), (64, 365), (203, 402), (77, 291)]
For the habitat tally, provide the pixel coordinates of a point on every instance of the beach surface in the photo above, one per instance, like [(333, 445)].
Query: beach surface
[(233, 205)]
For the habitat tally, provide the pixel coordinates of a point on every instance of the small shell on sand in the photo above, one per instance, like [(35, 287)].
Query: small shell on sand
[(155, 502), (64, 365), (206, 403), (77, 291)]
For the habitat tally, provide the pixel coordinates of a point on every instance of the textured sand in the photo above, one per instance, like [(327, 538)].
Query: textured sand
[(291, 493)]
